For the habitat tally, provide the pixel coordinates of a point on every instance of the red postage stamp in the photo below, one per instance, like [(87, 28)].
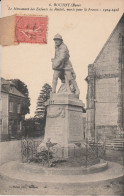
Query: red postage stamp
[(31, 29)]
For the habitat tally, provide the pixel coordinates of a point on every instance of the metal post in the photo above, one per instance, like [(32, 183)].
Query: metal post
[(96, 144), (22, 149), (27, 149), (86, 152), (104, 147), (48, 156)]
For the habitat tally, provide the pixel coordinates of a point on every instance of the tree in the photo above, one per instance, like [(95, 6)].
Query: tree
[(22, 87), (40, 112), (33, 128)]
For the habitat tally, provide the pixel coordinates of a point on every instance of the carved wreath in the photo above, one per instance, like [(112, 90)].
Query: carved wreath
[(53, 113)]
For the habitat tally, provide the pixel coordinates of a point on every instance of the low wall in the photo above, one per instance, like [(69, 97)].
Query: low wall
[(10, 151), (115, 156)]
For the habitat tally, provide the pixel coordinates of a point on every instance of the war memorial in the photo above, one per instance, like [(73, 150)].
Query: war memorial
[(64, 155)]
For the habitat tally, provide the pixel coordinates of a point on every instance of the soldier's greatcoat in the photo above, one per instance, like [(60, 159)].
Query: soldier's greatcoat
[(61, 60)]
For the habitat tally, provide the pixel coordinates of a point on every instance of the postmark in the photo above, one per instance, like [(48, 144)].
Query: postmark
[(31, 29)]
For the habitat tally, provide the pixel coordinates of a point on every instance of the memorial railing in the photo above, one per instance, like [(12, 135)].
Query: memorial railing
[(52, 154)]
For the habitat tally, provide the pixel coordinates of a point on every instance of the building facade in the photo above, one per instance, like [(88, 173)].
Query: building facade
[(11, 105), (105, 93)]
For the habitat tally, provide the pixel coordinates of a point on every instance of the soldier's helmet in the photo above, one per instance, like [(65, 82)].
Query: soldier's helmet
[(57, 36)]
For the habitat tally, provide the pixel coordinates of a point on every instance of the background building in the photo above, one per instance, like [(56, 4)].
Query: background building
[(11, 106), (105, 94)]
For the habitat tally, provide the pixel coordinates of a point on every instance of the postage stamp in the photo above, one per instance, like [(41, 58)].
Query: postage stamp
[(31, 29)]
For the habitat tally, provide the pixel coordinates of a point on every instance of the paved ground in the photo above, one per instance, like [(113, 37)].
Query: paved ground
[(17, 187)]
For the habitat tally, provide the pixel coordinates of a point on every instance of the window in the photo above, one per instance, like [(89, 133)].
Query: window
[(11, 89), (11, 106), (19, 108)]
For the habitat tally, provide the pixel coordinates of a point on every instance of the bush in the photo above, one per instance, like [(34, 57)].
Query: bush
[(33, 128), (4, 137), (42, 157)]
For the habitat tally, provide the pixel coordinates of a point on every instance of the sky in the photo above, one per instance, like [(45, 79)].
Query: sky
[(0, 46), (84, 33)]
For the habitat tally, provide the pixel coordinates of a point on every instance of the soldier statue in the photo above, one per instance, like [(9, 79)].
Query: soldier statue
[(62, 67)]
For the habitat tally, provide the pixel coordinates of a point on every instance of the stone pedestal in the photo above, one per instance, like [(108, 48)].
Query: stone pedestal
[(64, 123)]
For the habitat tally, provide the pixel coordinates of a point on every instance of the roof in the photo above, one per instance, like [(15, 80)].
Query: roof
[(120, 21), (8, 86), (14, 91)]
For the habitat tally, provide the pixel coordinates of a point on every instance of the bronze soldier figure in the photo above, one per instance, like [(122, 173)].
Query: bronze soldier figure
[(62, 66)]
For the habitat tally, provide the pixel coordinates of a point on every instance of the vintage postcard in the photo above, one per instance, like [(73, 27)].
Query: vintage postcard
[(62, 97)]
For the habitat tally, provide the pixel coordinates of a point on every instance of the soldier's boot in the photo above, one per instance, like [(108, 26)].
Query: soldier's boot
[(67, 85), (75, 86), (54, 84)]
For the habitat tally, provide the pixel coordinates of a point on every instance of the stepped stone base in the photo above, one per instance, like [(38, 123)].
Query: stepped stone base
[(64, 123)]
